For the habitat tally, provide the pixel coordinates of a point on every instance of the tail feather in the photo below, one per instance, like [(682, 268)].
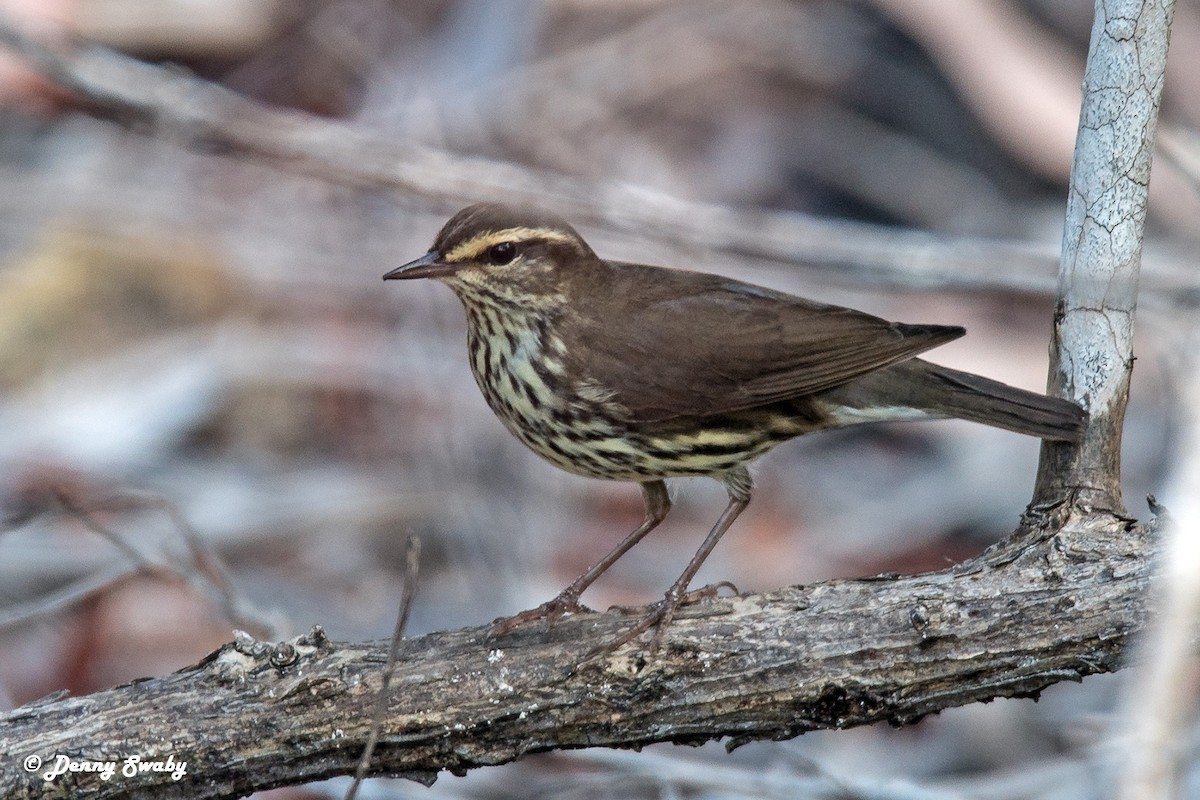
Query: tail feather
[(938, 391), (979, 399)]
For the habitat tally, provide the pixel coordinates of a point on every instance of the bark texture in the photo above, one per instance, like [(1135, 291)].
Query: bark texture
[(771, 666), (1091, 356)]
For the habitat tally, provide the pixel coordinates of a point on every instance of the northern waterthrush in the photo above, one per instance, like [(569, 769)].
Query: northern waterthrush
[(638, 373)]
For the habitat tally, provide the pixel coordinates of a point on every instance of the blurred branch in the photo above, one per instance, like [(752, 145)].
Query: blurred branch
[(1009, 69), (771, 666), (198, 114), (202, 571), (1181, 147), (638, 65), (66, 597), (1160, 697)]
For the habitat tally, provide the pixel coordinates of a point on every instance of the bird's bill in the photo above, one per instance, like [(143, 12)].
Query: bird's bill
[(427, 266)]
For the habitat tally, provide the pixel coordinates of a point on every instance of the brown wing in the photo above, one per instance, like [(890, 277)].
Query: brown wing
[(672, 343)]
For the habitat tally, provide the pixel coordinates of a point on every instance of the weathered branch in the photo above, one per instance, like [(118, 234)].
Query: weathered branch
[(1092, 355), (830, 655)]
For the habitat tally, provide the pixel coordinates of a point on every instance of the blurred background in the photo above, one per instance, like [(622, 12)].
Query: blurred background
[(215, 415)]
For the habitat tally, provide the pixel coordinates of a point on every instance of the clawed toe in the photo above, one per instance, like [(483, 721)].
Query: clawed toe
[(710, 591), (657, 619), (695, 595), (551, 612)]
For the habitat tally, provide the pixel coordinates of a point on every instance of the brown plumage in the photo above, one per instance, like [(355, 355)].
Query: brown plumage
[(631, 372)]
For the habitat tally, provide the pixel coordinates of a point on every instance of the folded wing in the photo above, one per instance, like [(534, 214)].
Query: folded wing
[(708, 345)]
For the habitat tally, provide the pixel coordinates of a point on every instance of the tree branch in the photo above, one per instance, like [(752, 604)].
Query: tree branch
[(771, 666), (1091, 357)]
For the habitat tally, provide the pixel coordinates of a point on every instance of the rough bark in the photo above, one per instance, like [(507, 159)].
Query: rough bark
[(770, 666), (1091, 356)]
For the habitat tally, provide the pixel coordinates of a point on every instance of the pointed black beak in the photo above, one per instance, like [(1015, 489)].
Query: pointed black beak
[(427, 266)]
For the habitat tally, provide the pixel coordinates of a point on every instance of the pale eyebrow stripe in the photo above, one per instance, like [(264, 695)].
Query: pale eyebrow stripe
[(474, 247)]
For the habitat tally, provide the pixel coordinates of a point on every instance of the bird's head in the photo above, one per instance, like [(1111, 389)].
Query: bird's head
[(497, 255)]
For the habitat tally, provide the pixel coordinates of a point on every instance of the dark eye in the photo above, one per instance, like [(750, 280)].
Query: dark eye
[(501, 254)]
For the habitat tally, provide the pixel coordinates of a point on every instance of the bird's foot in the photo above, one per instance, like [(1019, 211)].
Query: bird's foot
[(710, 591), (660, 616), (567, 602), (657, 619), (703, 593)]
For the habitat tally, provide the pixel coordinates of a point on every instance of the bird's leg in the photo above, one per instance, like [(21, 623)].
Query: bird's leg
[(738, 484), (658, 503)]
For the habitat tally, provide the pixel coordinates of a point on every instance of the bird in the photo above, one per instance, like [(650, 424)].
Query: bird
[(638, 373)]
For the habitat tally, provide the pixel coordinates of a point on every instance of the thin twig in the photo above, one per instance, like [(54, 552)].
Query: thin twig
[(206, 563), (89, 521), (66, 597), (412, 559), (204, 573)]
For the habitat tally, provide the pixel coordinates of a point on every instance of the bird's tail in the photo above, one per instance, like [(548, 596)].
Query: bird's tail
[(938, 391)]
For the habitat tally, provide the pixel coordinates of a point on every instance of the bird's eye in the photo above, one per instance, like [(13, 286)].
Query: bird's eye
[(501, 254)]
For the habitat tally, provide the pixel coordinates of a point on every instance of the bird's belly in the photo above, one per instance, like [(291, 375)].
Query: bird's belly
[(579, 434), (605, 450)]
